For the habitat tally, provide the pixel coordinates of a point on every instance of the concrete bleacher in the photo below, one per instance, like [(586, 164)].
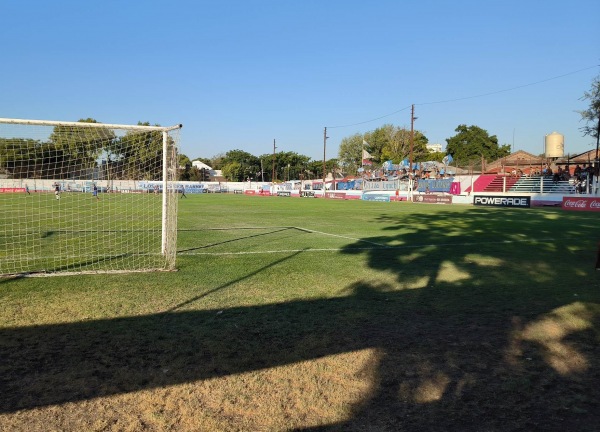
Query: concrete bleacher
[(498, 183), (542, 184)]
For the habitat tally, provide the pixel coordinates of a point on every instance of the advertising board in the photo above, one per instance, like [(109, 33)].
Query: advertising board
[(579, 203), (502, 201)]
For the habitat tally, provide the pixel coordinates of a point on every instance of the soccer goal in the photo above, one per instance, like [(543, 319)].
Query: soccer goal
[(87, 197)]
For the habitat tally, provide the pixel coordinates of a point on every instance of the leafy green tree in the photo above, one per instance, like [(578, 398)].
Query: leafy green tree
[(376, 141), (79, 149), (216, 162), (472, 143), (138, 154), (290, 165), (233, 171), (387, 142), (249, 165), (397, 147), (592, 115), (314, 170), (436, 156), (20, 157), (183, 160), (350, 152)]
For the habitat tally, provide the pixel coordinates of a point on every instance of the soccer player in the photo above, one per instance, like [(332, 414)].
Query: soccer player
[(95, 191), (57, 191), (27, 189), (182, 190)]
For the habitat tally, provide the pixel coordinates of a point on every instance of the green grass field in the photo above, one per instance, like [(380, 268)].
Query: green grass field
[(312, 314), (79, 233)]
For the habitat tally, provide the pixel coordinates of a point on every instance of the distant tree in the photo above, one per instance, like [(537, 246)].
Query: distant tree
[(314, 169), (592, 115), (183, 160), (350, 152), (387, 142), (249, 165), (216, 162), (290, 165), (138, 154), (436, 156), (376, 141), (22, 157), (233, 171), (398, 145), (78, 150), (472, 143)]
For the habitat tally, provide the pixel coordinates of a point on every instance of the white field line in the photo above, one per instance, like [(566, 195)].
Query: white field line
[(341, 236), (376, 247)]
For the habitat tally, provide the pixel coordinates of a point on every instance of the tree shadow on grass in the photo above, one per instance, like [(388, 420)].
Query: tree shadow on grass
[(507, 350)]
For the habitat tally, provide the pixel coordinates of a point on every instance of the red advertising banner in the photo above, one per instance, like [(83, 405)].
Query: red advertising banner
[(335, 195), (433, 199), (579, 203), (11, 190)]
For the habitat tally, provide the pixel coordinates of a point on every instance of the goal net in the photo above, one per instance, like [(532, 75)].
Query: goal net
[(79, 197)]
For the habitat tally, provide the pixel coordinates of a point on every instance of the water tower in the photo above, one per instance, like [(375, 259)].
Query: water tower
[(554, 145)]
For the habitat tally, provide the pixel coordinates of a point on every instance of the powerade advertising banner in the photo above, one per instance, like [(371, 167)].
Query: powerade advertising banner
[(502, 201), (284, 194)]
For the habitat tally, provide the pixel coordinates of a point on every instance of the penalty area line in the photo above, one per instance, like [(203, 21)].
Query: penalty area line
[(383, 248), (341, 236)]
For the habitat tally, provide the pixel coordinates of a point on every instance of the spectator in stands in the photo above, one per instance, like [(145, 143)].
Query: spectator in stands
[(577, 170), (577, 184), (557, 175)]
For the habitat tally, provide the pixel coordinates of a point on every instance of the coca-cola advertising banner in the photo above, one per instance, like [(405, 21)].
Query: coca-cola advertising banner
[(579, 203)]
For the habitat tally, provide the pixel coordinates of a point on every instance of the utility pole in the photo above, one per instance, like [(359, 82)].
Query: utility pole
[(273, 176), (324, 168), (412, 144), (412, 135)]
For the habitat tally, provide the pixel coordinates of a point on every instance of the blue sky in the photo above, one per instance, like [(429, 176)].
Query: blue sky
[(238, 74)]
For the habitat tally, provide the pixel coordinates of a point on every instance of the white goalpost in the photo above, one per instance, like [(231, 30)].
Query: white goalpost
[(87, 197)]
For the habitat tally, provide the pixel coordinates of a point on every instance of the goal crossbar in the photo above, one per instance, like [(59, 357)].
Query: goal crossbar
[(89, 125)]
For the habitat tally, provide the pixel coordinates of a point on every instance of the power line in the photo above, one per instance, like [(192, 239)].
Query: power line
[(369, 121), (508, 89), (466, 97)]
